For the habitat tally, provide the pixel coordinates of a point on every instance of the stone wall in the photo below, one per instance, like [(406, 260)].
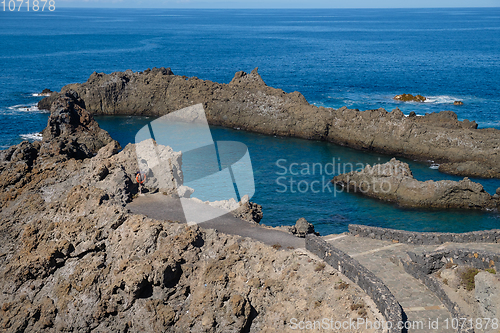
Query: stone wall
[(372, 285), (419, 272), (424, 238), (433, 261)]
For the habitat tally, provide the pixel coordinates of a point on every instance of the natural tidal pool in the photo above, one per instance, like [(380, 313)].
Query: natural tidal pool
[(292, 181)]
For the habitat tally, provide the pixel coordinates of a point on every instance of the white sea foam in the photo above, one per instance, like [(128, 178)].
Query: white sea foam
[(434, 166), (24, 107), (486, 124), (444, 99), (40, 95), (417, 115), (32, 136)]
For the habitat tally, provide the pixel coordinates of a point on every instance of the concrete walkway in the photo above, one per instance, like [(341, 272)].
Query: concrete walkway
[(418, 302), (162, 207)]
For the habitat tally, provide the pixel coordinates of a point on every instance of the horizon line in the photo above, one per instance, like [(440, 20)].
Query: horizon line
[(274, 8)]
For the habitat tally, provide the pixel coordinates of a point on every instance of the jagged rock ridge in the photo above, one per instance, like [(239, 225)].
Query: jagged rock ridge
[(72, 258), (249, 104)]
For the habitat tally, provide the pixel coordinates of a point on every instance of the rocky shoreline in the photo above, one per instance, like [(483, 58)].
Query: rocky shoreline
[(249, 104), (393, 182), (73, 258)]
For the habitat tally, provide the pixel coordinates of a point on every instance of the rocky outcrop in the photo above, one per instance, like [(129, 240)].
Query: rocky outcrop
[(458, 103), (249, 104), (410, 98), (73, 128), (445, 119), (72, 258), (302, 228), (248, 211), (471, 168), (394, 182)]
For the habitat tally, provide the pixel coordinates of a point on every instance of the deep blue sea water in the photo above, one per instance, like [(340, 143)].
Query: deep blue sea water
[(359, 58)]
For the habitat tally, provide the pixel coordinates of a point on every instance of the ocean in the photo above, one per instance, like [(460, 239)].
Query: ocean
[(360, 58)]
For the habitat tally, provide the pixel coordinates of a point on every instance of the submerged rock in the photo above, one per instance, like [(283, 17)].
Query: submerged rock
[(393, 182), (410, 98)]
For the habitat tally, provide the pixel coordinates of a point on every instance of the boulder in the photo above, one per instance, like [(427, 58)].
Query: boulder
[(458, 103), (302, 228), (249, 211), (161, 165), (394, 182), (184, 191)]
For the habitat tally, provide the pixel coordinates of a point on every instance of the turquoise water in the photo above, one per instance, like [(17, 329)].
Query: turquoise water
[(359, 58), (330, 209)]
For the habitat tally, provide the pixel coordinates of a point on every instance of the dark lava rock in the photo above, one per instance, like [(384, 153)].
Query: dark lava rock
[(302, 228), (73, 127)]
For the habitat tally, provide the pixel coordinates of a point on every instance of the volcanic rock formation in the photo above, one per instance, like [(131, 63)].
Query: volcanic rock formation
[(249, 104), (394, 182), (72, 258)]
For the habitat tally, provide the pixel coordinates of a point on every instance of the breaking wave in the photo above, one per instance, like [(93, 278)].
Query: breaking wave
[(32, 136), (444, 99)]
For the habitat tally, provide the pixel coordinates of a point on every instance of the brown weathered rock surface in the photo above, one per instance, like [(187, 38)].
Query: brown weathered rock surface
[(394, 182), (69, 122), (410, 98), (248, 103), (302, 228), (73, 259)]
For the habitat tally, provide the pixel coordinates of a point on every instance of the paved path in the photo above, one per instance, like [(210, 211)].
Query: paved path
[(418, 302), (162, 207)]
